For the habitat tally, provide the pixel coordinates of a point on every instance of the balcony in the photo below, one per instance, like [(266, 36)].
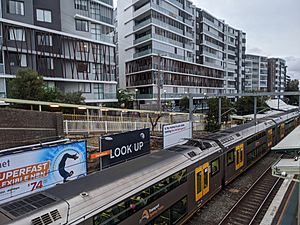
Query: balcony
[(212, 24), (168, 40), (190, 23), (176, 3), (210, 44), (189, 35), (142, 53), (142, 10), (167, 26), (167, 12), (142, 24), (104, 38), (142, 39)]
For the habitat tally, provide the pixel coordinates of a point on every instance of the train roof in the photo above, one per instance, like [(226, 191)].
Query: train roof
[(238, 133), (98, 191)]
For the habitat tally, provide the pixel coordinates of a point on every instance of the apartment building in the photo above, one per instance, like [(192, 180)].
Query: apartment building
[(256, 73), (69, 42), (277, 75), (221, 46), (156, 43)]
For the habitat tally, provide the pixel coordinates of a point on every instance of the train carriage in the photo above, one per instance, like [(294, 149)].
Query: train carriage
[(166, 187)]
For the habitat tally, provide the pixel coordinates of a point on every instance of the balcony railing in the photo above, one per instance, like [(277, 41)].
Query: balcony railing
[(168, 40), (141, 39), (165, 11), (167, 26), (142, 24), (142, 53)]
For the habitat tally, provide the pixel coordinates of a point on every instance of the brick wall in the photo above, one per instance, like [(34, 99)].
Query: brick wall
[(23, 127)]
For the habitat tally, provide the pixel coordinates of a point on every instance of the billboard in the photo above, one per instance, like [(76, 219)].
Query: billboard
[(122, 147), (35, 170), (175, 134)]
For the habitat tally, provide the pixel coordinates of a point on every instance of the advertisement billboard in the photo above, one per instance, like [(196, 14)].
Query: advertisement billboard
[(35, 170), (175, 134), (122, 147)]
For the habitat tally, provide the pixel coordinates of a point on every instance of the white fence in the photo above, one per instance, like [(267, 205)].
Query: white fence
[(81, 126)]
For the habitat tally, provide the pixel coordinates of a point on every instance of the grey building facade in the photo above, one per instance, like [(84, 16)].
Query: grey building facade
[(69, 42), (277, 75), (256, 73), (157, 49), (220, 46)]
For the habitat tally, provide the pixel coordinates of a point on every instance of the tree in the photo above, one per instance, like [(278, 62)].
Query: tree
[(184, 103), (213, 113), (73, 98), (124, 98), (27, 85), (245, 105), (52, 94), (292, 85)]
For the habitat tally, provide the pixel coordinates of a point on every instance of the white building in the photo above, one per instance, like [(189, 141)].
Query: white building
[(160, 36)]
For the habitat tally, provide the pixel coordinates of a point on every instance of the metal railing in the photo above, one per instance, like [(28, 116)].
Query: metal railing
[(88, 127)]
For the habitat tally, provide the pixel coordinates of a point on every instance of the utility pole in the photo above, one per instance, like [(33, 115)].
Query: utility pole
[(220, 111)]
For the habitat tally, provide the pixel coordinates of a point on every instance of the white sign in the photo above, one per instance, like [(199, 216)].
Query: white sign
[(175, 134)]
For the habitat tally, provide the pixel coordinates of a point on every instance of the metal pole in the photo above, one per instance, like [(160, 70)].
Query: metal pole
[(190, 108), (255, 109), (158, 84), (88, 120), (220, 111)]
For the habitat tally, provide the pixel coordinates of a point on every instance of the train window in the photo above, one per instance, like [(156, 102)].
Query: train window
[(199, 188), (123, 210), (230, 157), (179, 210), (215, 167), (205, 178)]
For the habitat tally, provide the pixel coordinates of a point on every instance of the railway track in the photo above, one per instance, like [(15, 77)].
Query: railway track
[(253, 204)]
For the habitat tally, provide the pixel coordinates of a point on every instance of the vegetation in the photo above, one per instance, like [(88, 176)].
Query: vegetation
[(184, 104), (29, 85), (124, 98), (213, 113), (292, 86), (245, 105)]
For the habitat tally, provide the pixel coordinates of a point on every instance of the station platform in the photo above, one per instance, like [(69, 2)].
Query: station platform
[(283, 209)]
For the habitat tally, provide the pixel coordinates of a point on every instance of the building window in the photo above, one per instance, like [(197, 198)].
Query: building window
[(81, 5), (23, 60), (50, 64), (82, 25), (16, 34), (44, 15), (45, 40), (84, 88), (16, 7), (82, 67)]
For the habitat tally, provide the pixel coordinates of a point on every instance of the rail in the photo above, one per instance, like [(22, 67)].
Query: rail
[(246, 210)]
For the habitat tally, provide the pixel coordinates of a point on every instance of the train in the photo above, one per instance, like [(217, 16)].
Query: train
[(163, 188)]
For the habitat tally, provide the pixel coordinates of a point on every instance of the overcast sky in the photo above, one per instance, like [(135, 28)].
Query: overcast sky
[(272, 26)]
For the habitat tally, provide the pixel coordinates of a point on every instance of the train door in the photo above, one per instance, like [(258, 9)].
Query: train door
[(239, 156), (270, 138), (281, 130), (201, 181)]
